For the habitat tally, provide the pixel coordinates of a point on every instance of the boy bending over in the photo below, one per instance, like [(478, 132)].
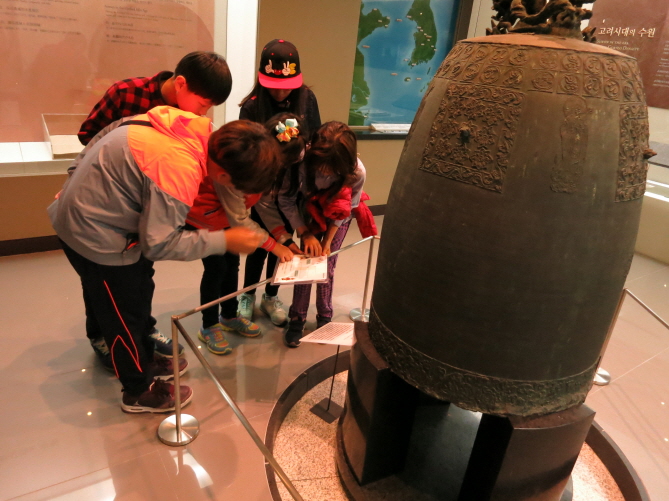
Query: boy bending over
[(125, 206)]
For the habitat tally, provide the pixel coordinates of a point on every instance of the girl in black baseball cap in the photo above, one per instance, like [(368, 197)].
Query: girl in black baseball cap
[(279, 88)]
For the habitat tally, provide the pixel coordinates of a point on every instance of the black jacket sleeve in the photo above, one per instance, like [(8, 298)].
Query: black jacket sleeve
[(313, 116), (248, 110)]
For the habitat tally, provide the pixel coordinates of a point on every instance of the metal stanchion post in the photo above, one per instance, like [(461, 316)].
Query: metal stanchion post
[(177, 429), (362, 314), (602, 377), (326, 409), (177, 378), (334, 375)]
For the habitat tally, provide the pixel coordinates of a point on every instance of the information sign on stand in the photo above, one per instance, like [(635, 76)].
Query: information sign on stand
[(340, 334)]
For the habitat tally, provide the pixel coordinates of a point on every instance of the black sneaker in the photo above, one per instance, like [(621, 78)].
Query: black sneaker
[(158, 398), (102, 351), (163, 368), (163, 344), (322, 321), (293, 334)]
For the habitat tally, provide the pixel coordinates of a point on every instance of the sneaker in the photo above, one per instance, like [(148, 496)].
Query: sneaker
[(163, 368), (163, 344), (215, 340), (102, 351), (273, 308), (245, 306), (322, 321), (293, 334), (240, 325), (158, 398)]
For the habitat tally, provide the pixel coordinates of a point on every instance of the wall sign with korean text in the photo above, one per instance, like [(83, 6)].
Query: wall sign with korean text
[(639, 29)]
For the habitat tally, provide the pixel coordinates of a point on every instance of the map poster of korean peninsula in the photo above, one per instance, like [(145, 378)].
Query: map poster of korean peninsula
[(401, 44), (639, 29)]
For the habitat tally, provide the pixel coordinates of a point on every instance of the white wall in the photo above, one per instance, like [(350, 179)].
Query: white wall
[(220, 46), (659, 125), (242, 34), (480, 20)]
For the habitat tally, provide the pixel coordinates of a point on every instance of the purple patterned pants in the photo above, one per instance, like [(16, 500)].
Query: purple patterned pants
[(302, 293)]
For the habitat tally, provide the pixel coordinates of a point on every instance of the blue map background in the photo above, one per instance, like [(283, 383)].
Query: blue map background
[(388, 50)]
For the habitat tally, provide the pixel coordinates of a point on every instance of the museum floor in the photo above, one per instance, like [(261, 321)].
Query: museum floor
[(64, 436)]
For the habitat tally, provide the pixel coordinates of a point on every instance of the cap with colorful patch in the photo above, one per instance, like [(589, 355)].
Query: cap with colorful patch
[(279, 66)]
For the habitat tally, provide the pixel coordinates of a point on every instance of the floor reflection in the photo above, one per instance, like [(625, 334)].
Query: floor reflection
[(65, 436)]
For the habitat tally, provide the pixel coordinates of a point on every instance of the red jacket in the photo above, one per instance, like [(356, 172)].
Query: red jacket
[(219, 208), (339, 207), (208, 213)]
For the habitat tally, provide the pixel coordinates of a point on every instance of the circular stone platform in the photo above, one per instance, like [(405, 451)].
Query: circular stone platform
[(305, 447)]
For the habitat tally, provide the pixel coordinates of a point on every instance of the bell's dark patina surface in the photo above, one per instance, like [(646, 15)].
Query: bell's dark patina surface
[(511, 223), (508, 235)]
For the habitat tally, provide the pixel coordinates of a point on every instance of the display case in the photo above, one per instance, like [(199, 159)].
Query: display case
[(60, 133)]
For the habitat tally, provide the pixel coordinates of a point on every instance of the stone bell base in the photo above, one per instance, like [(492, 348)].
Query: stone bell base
[(389, 426), (436, 465), (425, 476)]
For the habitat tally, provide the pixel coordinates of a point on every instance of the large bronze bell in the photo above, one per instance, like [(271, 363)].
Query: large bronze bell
[(509, 233), (511, 223)]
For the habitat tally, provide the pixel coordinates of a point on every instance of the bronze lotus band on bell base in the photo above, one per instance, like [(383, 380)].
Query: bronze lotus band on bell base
[(499, 396), (508, 235)]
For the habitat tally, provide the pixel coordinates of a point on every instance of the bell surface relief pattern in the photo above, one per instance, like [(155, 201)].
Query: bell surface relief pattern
[(473, 133)]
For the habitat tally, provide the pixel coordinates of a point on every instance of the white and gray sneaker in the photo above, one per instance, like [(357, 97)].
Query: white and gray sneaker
[(246, 305), (273, 308)]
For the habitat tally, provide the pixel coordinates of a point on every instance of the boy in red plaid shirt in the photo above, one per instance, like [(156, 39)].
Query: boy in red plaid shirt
[(201, 80)]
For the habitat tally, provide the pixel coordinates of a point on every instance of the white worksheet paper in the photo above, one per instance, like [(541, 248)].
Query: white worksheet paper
[(301, 270)]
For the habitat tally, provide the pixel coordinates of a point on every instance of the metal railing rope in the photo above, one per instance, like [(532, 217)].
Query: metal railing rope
[(181, 429), (602, 376)]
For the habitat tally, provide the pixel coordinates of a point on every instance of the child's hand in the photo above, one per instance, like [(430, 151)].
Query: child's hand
[(295, 249), (326, 241), (242, 240), (311, 245), (282, 252)]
